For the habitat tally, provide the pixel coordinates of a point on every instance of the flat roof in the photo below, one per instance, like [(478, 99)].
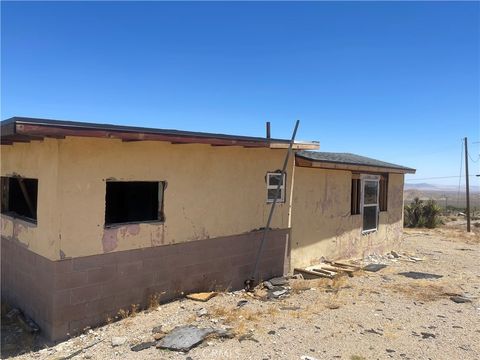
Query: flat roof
[(23, 129), (347, 161)]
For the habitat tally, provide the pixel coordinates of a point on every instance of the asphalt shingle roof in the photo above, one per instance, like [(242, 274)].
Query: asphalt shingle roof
[(348, 159)]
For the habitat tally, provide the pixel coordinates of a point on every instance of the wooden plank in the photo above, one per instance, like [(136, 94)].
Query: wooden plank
[(336, 268), (309, 274), (344, 264)]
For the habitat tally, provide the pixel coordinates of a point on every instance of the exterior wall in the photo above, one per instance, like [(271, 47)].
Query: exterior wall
[(66, 296), (38, 159), (211, 192), (321, 222), (68, 271)]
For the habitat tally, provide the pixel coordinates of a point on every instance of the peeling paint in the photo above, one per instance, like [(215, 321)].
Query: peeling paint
[(109, 240)]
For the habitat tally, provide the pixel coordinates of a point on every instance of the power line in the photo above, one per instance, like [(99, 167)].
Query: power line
[(472, 158), (440, 177)]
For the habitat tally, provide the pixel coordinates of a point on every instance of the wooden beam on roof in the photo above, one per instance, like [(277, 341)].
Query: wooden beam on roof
[(49, 130), (360, 168), (296, 146)]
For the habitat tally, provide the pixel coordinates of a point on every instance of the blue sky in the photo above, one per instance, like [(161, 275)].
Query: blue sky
[(394, 81)]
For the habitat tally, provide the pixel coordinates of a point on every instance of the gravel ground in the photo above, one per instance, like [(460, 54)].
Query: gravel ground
[(381, 315)]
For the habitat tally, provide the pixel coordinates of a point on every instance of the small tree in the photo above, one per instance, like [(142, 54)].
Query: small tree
[(431, 212), (422, 214)]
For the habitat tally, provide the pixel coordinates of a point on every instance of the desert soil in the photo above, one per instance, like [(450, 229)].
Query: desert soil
[(372, 315)]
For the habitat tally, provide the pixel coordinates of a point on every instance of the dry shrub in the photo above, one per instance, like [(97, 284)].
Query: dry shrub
[(123, 313), (422, 290), (134, 309), (299, 285)]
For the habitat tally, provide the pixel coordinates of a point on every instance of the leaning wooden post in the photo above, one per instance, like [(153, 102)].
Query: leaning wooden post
[(249, 283)]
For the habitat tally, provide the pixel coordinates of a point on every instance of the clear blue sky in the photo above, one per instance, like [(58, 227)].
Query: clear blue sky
[(394, 81)]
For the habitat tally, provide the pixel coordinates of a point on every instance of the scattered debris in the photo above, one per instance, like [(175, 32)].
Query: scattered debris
[(224, 333), (12, 314), (306, 357), (278, 281), (72, 355), (203, 296), (28, 324), (143, 346), (157, 329), (242, 303), (419, 275), (202, 312), (460, 299), (278, 293), (247, 336), (426, 335), (268, 285), (395, 255), (159, 336), (373, 331), (183, 338), (311, 274), (374, 267), (290, 308), (271, 332), (118, 341)]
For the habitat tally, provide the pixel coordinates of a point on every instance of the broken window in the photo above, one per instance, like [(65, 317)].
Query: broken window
[(356, 195), (133, 201), (273, 179), (19, 197), (383, 195), (370, 185)]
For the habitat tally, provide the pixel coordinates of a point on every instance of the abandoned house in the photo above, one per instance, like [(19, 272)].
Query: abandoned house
[(98, 217)]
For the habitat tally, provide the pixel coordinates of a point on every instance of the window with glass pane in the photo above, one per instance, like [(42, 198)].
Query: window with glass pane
[(273, 180), (370, 205)]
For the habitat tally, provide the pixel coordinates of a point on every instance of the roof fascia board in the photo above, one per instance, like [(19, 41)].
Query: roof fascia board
[(339, 166)]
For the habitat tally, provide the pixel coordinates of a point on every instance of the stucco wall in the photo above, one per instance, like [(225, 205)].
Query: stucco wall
[(35, 160), (321, 220), (211, 192)]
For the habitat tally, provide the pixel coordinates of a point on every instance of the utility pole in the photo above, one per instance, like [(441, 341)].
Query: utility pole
[(467, 185)]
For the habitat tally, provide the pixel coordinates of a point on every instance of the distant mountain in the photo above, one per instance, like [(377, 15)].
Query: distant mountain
[(441, 188)]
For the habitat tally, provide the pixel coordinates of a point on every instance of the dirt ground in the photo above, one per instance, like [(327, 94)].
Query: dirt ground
[(372, 315)]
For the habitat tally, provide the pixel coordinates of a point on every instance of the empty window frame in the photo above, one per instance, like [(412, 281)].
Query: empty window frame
[(133, 201), (370, 190), (383, 193), (19, 197), (273, 179)]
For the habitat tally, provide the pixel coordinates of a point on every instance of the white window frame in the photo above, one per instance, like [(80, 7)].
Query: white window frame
[(274, 187), (369, 178)]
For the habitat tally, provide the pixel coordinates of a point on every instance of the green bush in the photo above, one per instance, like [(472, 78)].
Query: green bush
[(422, 214)]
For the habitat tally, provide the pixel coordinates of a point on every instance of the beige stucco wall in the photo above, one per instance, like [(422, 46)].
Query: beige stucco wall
[(35, 160), (211, 192), (321, 222)]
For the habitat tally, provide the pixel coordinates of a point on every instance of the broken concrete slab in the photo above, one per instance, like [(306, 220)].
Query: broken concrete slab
[(374, 267), (278, 281), (420, 275), (202, 296), (183, 338), (460, 299)]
